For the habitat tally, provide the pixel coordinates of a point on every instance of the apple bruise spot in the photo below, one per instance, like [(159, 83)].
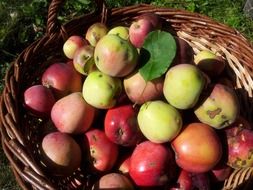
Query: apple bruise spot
[(213, 113), (97, 59)]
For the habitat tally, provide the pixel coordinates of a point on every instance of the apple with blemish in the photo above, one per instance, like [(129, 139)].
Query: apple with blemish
[(95, 32)]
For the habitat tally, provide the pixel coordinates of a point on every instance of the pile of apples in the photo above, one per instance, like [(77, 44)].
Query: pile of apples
[(182, 130)]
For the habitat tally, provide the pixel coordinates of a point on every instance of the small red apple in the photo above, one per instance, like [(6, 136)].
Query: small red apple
[(121, 125), (197, 148), (39, 100), (103, 152), (138, 31), (123, 163), (62, 78), (151, 164)]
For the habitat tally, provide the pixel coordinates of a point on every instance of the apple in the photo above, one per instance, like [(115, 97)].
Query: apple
[(208, 62), (72, 44), (121, 31), (159, 121), (221, 172), (62, 78), (101, 90), (140, 91), (183, 85), (189, 181), (151, 164), (123, 164), (72, 114), (138, 31), (61, 153), (115, 56), (113, 181), (95, 32), (197, 148), (83, 59), (155, 19), (39, 100), (121, 126), (103, 153)]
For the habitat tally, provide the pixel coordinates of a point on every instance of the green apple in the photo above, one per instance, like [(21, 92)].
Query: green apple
[(95, 32), (183, 85), (101, 90), (159, 121), (121, 31)]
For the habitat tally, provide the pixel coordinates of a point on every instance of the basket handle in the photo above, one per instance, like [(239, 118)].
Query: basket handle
[(53, 25)]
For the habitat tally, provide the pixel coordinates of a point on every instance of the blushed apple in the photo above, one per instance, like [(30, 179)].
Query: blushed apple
[(83, 59), (103, 153), (62, 78), (121, 126), (115, 56), (140, 91), (39, 100), (61, 153), (159, 121), (197, 148), (72, 44), (95, 32), (101, 90), (113, 181), (121, 31), (67, 119)]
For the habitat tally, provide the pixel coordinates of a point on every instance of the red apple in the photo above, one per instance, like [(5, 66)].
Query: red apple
[(62, 78), (123, 163), (72, 114), (221, 172), (155, 19), (189, 181), (61, 153), (197, 148), (150, 164), (121, 125), (39, 100), (113, 181), (72, 44), (103, 152), (138, 31)]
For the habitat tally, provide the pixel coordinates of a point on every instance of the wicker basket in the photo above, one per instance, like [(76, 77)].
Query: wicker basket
[(21, 133)]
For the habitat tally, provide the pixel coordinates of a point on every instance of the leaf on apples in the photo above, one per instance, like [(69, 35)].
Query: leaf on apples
[(157, 54)]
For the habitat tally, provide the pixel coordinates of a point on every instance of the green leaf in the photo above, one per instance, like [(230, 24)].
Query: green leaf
[(157, 54)]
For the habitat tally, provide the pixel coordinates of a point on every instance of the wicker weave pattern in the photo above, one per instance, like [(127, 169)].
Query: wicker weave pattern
[(21, 133)]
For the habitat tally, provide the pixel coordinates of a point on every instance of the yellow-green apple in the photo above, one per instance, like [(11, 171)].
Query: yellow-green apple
[(140, 91), (159, 121), (183, 85), (113, 181), (61, 153), (72, 44), (101, 90), (67, 119), (95, 32), (83, 60), (62, 78), (115, 56), (39, 100), (121, 126), (197, 148), (209, 62), (151, 164), (103, 153), (121, 31), (219, 109)]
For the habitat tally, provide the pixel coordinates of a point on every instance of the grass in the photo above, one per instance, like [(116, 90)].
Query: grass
[(24, 21)]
